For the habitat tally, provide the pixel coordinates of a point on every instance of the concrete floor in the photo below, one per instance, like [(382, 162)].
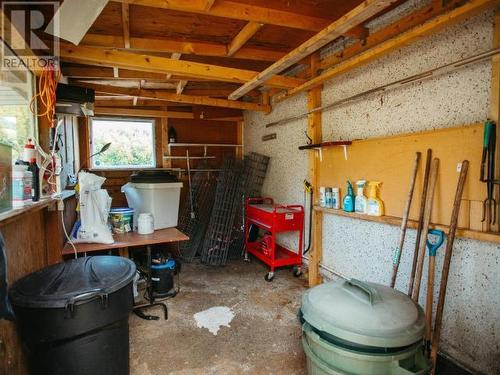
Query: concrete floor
[(263, 338)]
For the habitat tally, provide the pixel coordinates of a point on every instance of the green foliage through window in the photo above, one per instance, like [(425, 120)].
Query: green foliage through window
[(132, 143)]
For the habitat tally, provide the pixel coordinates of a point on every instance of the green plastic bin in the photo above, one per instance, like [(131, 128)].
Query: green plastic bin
[(354, 327)]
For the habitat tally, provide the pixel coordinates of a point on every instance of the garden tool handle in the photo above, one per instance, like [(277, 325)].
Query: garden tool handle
[(488, 131), (434, 246)]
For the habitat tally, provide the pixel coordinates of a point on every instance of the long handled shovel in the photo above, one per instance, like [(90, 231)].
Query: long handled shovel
[(433, 246), (446, 264), (425, 228), (404, 221)]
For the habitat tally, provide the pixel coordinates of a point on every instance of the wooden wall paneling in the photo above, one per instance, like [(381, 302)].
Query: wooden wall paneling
[(83, 140), (26, 252), (165, 163), (56, 238), (389, 160)]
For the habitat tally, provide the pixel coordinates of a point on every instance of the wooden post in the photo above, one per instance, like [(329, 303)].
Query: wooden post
[(240, 139), (495, 110), (163, 138), (314, 131)]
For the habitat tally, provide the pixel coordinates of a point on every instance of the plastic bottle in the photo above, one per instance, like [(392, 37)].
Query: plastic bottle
[(172, 135), (35, 190), (18, 185), (360, 201), (28, 185), (375, 205), (349, 198), (29, 151), (336, 198), (322, 196), (328, 197)]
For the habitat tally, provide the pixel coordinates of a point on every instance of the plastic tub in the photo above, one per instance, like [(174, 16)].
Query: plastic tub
[(73, 316), (160, 199), (324, 357), (122, 219)]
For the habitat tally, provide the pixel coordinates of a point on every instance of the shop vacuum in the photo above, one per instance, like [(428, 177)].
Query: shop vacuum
[(163, 270)]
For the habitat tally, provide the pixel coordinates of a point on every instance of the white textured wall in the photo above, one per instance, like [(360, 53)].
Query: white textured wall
[(364, 249)]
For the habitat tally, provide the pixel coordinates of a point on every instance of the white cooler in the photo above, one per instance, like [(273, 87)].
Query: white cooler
[(158, 198)]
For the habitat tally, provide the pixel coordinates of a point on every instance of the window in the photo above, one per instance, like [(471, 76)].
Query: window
[(132, 143), (17, 123)]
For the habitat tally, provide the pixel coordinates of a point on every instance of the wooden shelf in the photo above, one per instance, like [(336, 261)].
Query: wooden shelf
[(16, 213), (413, 224)]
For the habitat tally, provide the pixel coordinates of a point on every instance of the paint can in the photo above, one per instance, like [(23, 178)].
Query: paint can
[(145, 223)]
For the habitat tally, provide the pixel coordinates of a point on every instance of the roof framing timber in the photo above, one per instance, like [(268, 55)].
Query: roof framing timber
[(133, 61), (138, 112), (355, 17), (243, 36), (178, 98), (239, 11), (436, 24), (174, 46)]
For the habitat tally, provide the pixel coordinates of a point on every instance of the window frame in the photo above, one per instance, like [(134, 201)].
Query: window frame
[(124, 119), (33, 91)]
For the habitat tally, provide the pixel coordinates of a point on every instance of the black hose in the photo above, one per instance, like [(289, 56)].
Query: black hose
[(310, 222)]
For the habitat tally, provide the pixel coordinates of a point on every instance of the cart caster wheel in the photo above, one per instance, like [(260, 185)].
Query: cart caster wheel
[(269, 277), (297, 271)]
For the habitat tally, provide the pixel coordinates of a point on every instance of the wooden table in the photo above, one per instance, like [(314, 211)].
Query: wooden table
[(131, 239)]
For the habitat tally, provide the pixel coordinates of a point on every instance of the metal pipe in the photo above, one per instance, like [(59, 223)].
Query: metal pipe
[(443, 69)]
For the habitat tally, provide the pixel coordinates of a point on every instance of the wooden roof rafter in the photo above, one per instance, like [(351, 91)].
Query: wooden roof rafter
[(147, 63), (355, 17), (177, 98)]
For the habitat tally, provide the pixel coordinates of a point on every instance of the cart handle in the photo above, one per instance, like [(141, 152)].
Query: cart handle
[(291, 207), (260, 200)]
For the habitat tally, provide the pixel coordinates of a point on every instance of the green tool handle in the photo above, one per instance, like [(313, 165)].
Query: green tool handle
[(488, 131)]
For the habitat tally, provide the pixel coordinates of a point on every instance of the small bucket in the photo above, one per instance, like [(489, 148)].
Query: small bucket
[(121, 219)]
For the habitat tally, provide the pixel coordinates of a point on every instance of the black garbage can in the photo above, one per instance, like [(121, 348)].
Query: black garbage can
[(73, 316)]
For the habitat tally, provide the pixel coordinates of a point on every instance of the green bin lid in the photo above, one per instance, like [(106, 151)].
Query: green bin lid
[(364, 313)]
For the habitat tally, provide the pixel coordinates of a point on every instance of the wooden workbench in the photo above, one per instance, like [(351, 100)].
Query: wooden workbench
[(131, 239)]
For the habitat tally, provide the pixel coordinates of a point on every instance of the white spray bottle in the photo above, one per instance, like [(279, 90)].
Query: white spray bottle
[(360, 202)]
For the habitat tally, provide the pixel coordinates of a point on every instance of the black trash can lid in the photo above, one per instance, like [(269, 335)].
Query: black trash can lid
[(153, 176), (72, 282)]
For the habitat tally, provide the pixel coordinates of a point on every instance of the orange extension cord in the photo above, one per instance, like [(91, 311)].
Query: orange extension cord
[(47, 85)]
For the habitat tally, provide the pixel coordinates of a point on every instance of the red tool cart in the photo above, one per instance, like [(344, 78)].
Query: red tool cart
[(273, 219)]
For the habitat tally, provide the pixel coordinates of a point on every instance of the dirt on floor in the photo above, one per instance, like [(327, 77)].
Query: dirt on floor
[(264, 336)]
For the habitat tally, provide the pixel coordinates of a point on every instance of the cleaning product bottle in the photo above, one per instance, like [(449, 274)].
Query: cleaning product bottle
[(35, 191), (375, 205), (349, 198), (360, 201)]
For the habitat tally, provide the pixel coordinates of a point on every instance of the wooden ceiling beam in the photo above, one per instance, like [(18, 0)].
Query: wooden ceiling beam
[(139, 112), (187, 48), (180, 86), (239, 11), (245, 34), (174, 56), (415, 18), (128, 60), (176, 98), (126, 25), (354, 18), (436, 24)]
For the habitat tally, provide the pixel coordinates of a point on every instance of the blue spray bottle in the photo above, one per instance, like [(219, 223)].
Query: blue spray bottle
[(349, 198)]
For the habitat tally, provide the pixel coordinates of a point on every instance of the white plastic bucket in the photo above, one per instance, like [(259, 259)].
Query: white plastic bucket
[(159, 199)]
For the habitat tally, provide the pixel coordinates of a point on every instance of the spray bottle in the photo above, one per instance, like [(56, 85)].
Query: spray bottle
[(375, 205), (349, 198), (360, 201)]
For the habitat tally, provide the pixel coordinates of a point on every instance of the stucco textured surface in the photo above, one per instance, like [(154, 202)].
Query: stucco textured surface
[(363, 249)]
